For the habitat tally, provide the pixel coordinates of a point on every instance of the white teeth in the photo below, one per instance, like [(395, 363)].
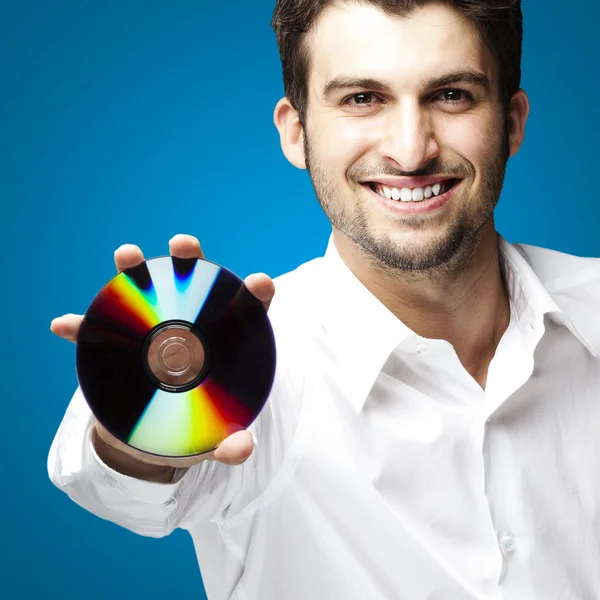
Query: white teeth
[(418, 194), (406, 195)]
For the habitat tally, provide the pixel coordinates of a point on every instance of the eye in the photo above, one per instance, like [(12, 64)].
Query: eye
[(362, 99), (454, 96)]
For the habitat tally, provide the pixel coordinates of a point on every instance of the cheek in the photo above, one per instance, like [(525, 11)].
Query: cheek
[(343, 141), (472, 137), (360, 134)]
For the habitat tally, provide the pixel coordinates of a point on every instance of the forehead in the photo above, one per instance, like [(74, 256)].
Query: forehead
[(361, 40)]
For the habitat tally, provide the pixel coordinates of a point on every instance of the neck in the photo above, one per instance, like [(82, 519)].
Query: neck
[(467, 304)]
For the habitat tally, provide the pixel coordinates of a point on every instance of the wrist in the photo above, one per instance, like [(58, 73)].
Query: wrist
[(123, 463)]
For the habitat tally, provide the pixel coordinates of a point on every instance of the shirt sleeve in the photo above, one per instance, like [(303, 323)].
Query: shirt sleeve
[(147, 508)]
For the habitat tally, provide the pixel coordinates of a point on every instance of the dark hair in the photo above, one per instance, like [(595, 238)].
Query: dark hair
[(499, 22)]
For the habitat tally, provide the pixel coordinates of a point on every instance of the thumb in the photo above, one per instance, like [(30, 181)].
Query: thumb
[(235, 449), (261, 286)]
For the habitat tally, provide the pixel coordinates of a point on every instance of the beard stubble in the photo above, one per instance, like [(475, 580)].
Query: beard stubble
[(452, 251)]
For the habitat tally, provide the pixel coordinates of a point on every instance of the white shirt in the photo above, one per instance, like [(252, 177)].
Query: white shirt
[(382, 470)]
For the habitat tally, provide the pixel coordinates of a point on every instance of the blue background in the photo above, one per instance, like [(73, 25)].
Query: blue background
[(130, 121)]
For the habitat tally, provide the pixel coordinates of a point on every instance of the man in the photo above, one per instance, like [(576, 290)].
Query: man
[(431, 432)]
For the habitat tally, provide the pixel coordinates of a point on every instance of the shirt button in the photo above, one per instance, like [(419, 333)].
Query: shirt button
[(507, 543), (420, 348)]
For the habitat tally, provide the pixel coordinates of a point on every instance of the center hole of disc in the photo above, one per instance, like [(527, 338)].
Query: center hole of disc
[(176, 356)]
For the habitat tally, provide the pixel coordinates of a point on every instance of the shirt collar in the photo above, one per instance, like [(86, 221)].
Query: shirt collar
[(363, 332)]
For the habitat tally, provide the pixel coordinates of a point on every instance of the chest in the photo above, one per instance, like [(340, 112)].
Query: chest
[(501, 485)]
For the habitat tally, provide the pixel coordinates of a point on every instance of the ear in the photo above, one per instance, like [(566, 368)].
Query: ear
[(291, 134), (517, 117)]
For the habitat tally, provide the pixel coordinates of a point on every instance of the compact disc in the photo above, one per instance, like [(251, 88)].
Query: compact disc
[(174, 355)]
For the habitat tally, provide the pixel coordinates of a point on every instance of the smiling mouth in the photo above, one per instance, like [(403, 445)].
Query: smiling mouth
[(412, 194)]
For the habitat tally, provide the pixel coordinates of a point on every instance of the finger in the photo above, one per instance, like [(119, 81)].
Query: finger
[(261, 286), (185, 246), (66, 327), (127, 256), (235, 449)]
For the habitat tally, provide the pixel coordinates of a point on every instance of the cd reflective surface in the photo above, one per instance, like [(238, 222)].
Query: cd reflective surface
[(174, 355)]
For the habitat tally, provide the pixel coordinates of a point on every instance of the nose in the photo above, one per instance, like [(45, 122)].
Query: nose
[(408, 142)]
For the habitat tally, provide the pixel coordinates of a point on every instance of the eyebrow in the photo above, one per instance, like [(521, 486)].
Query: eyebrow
[(342, 82)]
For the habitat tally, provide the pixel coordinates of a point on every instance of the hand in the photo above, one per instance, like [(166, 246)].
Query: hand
[(233, 450)]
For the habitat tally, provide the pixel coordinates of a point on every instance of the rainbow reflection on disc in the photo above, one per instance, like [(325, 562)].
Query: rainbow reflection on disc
[(174, 355)]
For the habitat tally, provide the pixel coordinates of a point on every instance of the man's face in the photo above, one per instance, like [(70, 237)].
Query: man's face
[(407, 103)]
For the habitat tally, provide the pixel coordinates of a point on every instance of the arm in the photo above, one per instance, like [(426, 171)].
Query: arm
[(145, 507)]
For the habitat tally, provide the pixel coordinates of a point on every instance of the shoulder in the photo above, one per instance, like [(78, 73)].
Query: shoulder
[(563, 274), (296, 304), (295, 316), (573, 282)]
